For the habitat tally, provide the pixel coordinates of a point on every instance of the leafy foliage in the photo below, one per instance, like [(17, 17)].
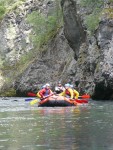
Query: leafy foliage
[(95, 7), (8, 5), (2, 10), (44, 26), (92, 22), (92, 3), (110, 1)]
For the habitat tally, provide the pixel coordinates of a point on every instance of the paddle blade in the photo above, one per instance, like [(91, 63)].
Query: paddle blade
[(31, 94), (28, 99), (34, 101), (81, 101), (85, 96)]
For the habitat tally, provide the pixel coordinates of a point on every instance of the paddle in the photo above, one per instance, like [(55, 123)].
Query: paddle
[(85, 96), (37, 100), (76, 101), (81, 101), (34, 101), (31, 94), (28, 99)]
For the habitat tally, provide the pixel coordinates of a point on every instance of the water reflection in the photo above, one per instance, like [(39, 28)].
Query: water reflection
[(56, 132)]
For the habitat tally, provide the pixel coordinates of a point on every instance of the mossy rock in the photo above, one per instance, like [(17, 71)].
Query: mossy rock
[(9, 93)]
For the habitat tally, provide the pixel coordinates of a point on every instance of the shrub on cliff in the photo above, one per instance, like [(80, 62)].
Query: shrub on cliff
[(95, 8), (2, 10), (44, 27)]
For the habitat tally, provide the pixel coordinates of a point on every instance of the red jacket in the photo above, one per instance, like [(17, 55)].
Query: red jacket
[(44, 92)]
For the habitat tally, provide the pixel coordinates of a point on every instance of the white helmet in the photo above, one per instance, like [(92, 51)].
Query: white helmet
[(47, 84), (43, 86), (59, 82)]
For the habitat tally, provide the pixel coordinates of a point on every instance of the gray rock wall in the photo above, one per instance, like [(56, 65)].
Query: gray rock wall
[(73, 29), (55, 63), (73, 55), (93, 53)]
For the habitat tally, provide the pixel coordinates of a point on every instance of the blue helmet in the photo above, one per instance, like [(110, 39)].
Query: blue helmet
[(67, 85)]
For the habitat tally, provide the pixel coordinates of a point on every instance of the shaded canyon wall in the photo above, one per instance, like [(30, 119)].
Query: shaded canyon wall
[(74, 56)]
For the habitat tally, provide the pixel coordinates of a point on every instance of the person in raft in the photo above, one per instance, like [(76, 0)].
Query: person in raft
[(59, 88), (76, 93), (44, 92), (68, 92)]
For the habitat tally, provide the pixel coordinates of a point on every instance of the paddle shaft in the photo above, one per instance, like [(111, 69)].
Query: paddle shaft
[(36, 100), (46, 96)]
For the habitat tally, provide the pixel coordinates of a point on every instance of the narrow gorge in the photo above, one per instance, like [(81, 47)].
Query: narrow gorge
[(47, 41)]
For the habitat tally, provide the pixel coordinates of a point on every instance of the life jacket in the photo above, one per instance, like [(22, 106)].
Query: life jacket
[(47, 92), (67, 92), (59, 89), (44, 92), (76, 94)]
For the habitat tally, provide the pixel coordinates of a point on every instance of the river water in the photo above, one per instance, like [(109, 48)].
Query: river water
[(25, 127)]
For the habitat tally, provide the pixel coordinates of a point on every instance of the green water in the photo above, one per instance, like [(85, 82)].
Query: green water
[(25, 127)]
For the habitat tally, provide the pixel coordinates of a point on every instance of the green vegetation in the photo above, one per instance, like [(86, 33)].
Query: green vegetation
[(110, 1), (2, 10), (95, 7), (45, 27), (8, 5), (108, 12), (92, 22), (14, 6), (92, 3), (8, 93)]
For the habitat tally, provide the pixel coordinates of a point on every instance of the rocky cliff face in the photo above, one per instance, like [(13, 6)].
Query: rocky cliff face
[(15, 35), (94, 64), (73, 29), (55, 60), (53, 64), (73, 55)]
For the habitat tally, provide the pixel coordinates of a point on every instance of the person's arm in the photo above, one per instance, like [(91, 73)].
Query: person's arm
[(63, 93), (51, 92), (76, 94), (41, 93), (38, 95), (71, 93)]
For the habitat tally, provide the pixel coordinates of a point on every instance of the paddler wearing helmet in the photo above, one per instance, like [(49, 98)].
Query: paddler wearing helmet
[(46, 91), (59, 88), (75, 92), (68, 92)]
